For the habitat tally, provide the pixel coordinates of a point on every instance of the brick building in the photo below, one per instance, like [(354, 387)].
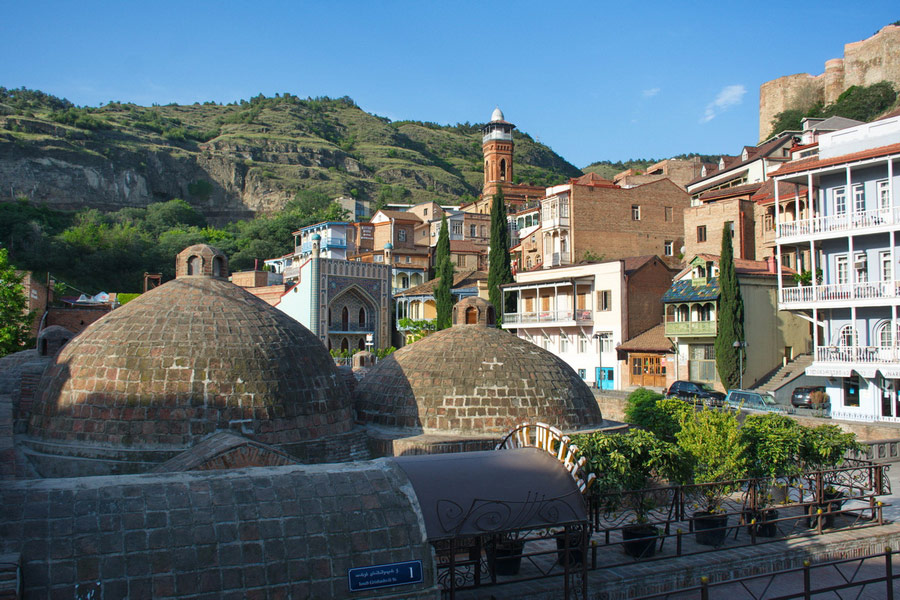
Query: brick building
[(593, 215), (679, 171), (705, 221)]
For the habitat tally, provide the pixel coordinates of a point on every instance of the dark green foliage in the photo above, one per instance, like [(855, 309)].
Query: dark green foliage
[(856, 102), (655, 413), (825, 446), (25, 100), (773, 445), (499, 271), (79, 117), (730, 322), (711, 442), (442, 296), (200, 189), (15, 321)]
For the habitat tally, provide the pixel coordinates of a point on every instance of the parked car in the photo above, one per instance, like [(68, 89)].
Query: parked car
[(752, 401), (696, 392), (804, 397)]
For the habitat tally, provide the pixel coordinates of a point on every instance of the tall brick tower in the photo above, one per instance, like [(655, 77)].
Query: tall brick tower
[(497, 145)]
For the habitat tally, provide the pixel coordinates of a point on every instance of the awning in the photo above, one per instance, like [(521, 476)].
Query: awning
[(554, 283), (473, 493)]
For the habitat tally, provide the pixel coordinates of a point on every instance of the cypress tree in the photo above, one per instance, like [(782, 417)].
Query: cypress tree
[(442, 296), (499, 271), (730, 320)]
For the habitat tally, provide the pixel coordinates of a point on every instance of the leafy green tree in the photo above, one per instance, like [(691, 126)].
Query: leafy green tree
[(655, 413), (712, 446), (730, 325), (499, 270), (15, 320), (442, 296)]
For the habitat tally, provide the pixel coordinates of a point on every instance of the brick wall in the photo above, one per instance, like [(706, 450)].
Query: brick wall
[(601, 219), (644, 291), (75, 320), (713, 215)]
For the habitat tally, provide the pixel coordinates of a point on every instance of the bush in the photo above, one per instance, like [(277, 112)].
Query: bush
[(825, 446), (655, 413), (773, 445), (712, 445)]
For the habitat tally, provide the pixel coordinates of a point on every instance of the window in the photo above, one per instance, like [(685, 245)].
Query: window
[(851, 391), (456, 229), (669, 213), (401, 235), (846, 337), (407, 259), (460, 260), (582, 373), (702, 362), (563, 342), (546, 341), (884, 195), (840, 269), (885, 340), (606, 341), (582, 344), (840, 201), (730, 226), (473, 231), (635, 212), (426, 211), (667, 248), (861, 267), (859, 198), (483, 229), (604, 300), (887, 270), (701, 233)]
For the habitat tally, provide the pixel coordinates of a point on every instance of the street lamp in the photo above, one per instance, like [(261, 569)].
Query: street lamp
[(740, 346)]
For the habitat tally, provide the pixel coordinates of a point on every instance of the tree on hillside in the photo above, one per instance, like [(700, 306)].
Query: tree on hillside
[(15, 321), (442, 297), (499, 271), (730, 322)]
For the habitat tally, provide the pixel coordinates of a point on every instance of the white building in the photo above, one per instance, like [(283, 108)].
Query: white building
[(581, 313), (848, 223)]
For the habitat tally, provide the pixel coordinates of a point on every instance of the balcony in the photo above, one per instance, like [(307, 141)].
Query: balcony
[(839, 292), (857, 354), (855, 222), (690, 328), (555, 259), (324, 244), (547, 317)]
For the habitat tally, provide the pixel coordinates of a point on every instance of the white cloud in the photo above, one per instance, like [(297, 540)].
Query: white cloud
[(729, 96), (650, 93)]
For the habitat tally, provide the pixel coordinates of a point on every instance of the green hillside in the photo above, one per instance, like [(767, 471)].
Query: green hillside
[(231, 161)]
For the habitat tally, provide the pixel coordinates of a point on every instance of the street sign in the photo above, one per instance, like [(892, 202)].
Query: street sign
[(378, 576)]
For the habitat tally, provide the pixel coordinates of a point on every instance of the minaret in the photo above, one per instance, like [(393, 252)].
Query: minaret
[(497, 145)]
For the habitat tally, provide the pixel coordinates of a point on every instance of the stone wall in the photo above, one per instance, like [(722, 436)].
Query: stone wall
[(864, 63), (270, 532)]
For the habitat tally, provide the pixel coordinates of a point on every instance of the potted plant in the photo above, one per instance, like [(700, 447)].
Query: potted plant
[(773, 447), (823, 448), (716, 457), (625, 465)]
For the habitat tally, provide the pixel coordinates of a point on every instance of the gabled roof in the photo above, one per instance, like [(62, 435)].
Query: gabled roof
[(633, 263), (400, 215), (753, 153), (684, 291), (593, 179), (730, 192), (652, 340), (818, 163), (460, 279), (786, 190)]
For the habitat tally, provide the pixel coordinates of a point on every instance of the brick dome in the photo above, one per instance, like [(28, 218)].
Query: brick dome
[(473, 379), (191, 357)]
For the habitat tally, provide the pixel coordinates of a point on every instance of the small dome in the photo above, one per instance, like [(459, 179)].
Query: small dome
[(389, 246), (201, 260), (497, 115), (471, 379), (316, 237)]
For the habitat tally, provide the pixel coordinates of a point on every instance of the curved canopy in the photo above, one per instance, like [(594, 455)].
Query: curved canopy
[(473, 493)]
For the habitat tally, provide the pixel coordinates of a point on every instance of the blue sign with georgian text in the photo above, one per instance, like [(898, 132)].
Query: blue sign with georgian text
[(377, 576)]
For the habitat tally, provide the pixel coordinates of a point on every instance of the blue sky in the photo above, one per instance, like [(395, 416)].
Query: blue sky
[(593, 80)]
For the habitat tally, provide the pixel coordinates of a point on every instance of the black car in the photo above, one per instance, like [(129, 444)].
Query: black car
[(810, 397), (696, 392)]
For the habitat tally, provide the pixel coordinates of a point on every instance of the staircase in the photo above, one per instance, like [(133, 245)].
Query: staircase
[(784, 375)]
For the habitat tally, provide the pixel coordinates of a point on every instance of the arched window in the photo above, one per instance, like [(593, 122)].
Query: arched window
[(706, 312), (362, 344), (846, 336), (362, 317), (683, 313), (345, 345), (491, 318), (885, 340), (503, 169), (345, 320), (195, 265), (471, 316), (218, 267)]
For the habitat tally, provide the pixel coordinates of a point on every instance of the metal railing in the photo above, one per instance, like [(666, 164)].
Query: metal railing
[(857, 354), (550, 316), (865, 290), (843, 222), (690, 328)]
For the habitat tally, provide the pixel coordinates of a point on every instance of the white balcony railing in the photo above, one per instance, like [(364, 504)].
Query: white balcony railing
[(857, 354), (686, 328), (872, 290), (844, 222), (550, 316)]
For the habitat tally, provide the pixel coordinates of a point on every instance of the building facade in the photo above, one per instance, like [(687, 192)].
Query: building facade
[(848, 224), (581, 313)]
